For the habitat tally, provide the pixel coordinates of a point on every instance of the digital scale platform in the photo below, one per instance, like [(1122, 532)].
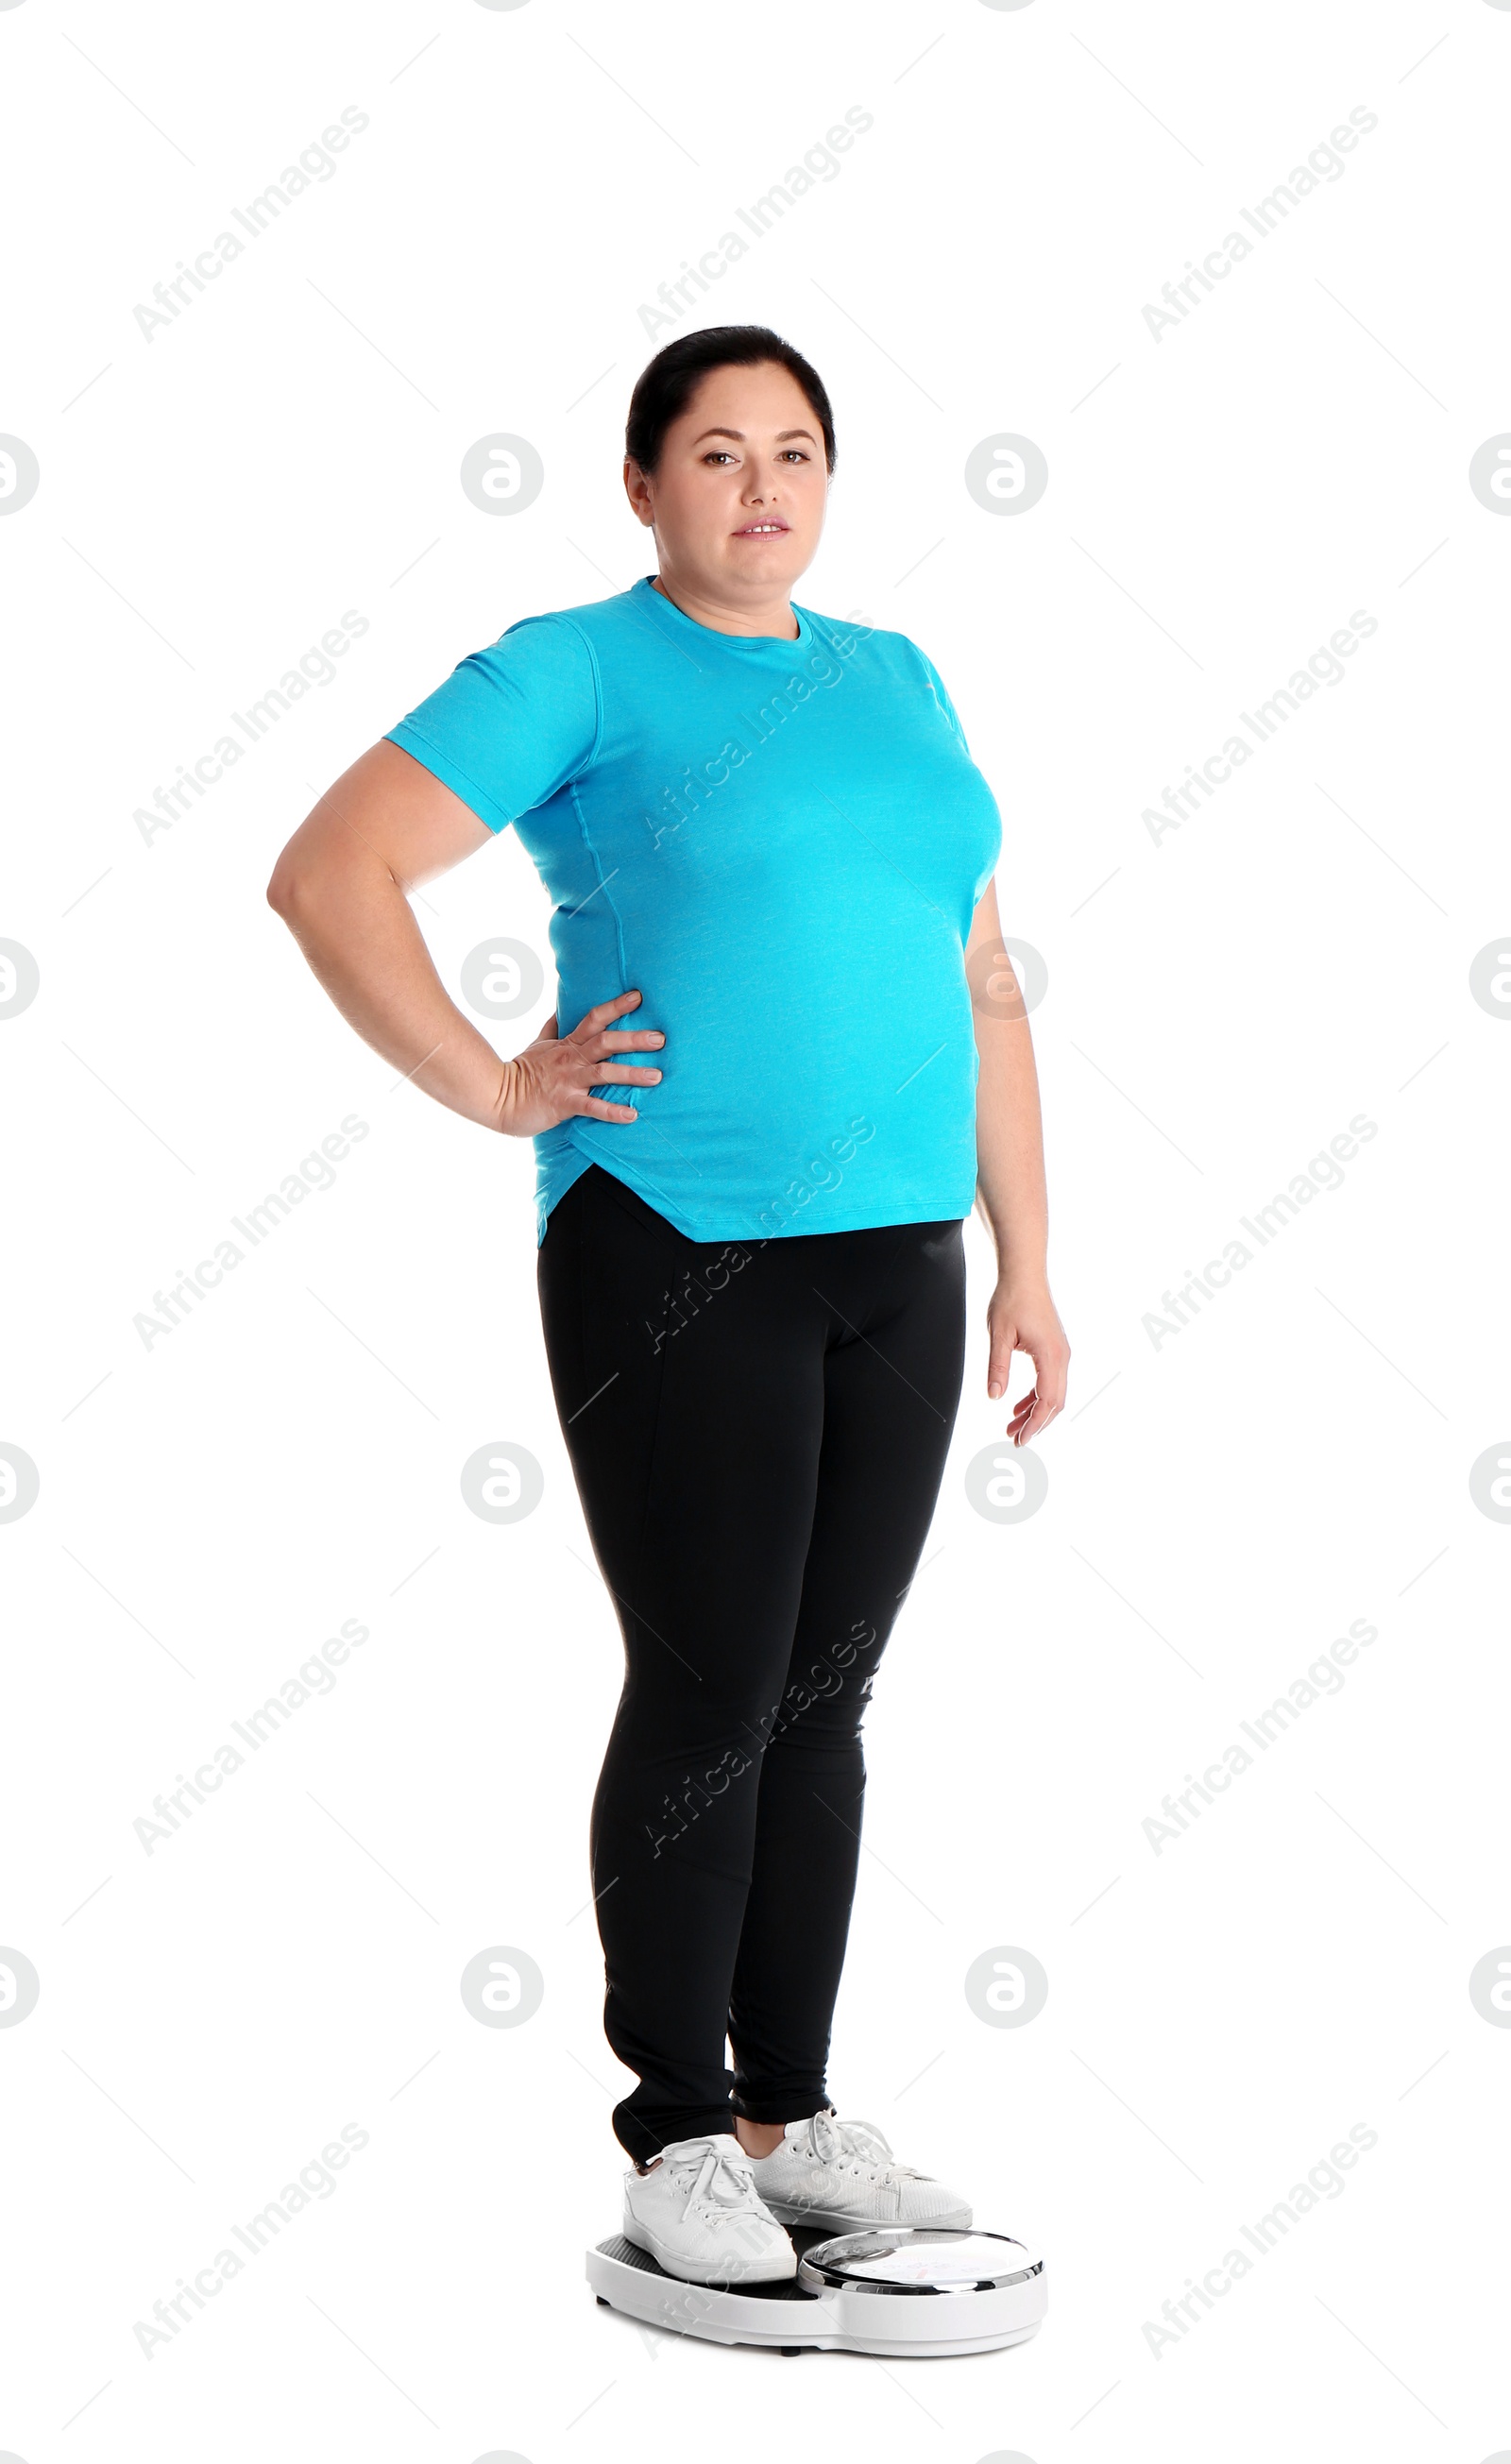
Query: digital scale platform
[(904, 2292)]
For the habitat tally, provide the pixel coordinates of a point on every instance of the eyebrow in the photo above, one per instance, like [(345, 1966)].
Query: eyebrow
[(738, 434)]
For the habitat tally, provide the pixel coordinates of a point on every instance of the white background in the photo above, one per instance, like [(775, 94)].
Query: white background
[(1220, 1004)]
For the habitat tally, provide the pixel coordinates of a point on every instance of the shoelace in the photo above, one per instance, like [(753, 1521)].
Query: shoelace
[(832, 2140), (723, 2181)]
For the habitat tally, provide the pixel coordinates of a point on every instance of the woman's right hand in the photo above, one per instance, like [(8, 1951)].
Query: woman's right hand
[(549, 1081), (341, 886)]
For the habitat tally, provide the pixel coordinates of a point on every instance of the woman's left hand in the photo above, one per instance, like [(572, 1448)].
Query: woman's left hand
[(1023, 1318)]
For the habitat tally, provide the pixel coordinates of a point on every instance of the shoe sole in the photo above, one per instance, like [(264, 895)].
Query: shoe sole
[(833, 2220), (689, 2270)]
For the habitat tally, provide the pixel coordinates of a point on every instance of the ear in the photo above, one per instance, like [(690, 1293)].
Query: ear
[(637, 487)]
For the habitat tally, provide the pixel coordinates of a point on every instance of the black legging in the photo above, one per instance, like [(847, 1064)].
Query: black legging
[(758, 1433)]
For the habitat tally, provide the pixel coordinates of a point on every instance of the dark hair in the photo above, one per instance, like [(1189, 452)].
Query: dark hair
[(668, 383)]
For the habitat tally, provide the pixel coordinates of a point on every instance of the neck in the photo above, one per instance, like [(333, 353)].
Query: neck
[(772, 617)]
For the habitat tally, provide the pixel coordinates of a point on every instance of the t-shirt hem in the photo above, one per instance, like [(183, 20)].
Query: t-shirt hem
[(544, 1206), (931, 1206)]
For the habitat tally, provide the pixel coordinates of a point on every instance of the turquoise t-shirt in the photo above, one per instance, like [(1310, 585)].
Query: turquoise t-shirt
[(782, 845)]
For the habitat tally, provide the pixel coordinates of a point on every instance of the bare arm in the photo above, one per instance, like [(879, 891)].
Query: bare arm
[(1010, 1181), (340, 885)]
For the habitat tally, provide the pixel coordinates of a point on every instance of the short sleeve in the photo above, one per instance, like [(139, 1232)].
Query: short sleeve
[(937, 688), (511, 724)]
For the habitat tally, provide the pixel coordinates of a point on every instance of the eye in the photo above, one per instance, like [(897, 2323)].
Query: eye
[(718, 454), (794, 453)]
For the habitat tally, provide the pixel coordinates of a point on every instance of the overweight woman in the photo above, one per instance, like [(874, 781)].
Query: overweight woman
[(786, 1060)]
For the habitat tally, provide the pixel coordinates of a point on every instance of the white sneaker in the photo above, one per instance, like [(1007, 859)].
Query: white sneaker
[(841, 2176), (700, 2216)]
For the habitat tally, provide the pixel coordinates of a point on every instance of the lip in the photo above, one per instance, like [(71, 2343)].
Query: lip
[(763, 530)]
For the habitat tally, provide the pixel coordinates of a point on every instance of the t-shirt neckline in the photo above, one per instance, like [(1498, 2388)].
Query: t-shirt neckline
[(735, 641)]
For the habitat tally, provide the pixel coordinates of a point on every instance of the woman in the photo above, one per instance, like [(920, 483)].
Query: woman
[(770, 857)]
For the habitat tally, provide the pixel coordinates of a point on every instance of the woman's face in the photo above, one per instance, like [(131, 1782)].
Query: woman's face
[(737, 499)]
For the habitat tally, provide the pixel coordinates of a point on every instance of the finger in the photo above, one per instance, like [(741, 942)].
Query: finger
[(601, 1012), (999, 1362), (1052, 1378), (639, 1039), (1039, 1419), (1021, 1415), (607, 1073), (594, 1110)]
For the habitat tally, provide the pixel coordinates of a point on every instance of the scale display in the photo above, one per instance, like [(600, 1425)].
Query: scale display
[(918, 2261)]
